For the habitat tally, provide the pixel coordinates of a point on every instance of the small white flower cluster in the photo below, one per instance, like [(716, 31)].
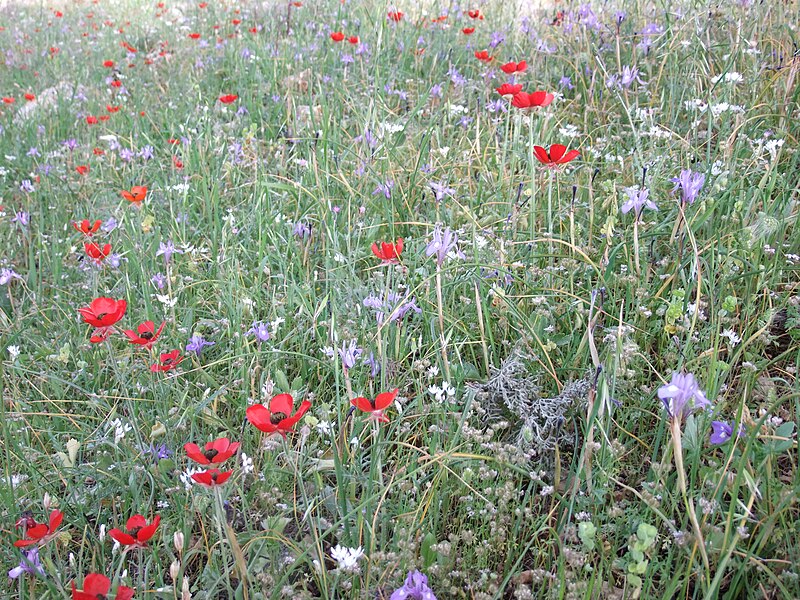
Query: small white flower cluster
[(445, 392), (347, 558), (119, 428)]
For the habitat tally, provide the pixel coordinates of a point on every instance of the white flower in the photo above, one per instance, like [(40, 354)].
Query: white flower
[(247, 464), (166, 300), (324, 427), (731, 335), (347, 557), (120, 429), (13, 352)]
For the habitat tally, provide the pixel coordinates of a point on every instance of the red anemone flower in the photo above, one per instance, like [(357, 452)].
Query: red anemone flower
[(167, 361), (86, 227), (91, 120), (213, 453), (194, 36), (138, 533), (103, 312), (101, 334), (97, 252), (112, 109), (212, 477), (82, 169), (475, 14), (228, 98), (376, 407), (97, 586), (557, 155), (509, 89), (8, 100), (137, 194), (511, 67), (353, 39), (395, 16), (468, 30), (532, 100), (145, 334), (41, 533), (108, 64), (337, 36), (483, 56), (30, 97), (278, 417), (388, 252)]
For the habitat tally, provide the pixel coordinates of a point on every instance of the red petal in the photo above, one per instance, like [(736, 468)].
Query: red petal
[(556, 152), (385, 399), (571, 155), (145, 533), (193, 451), (541, 154), (282, 403), (135, 521), (123, 538), (56, 517), (96, 584), (362, 404), (259, 417)]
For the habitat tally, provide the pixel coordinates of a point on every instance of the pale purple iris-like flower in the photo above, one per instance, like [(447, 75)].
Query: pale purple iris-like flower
[(302, 230), (385, 189), (395, 305), (414, 588), (682, 396), (6, 275), (167, 249), (638, 200), (690, 184), (444, 242), (349, 353), (722, 431), (260, 330), (441, 190), (196, 344), (29, 563), (159, 280)]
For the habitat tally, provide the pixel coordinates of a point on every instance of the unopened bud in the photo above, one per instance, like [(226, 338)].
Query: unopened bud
[(178, 541), (174, 570), (185, 593)]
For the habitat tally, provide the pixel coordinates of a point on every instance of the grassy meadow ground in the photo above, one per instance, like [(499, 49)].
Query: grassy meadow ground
[(540, 324)]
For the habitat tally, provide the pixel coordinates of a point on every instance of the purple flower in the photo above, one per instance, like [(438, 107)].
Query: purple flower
[(159, 452), (26, 186), (23, 218), (196, 344), (497, 39), (414, 588), (436, 91), (29, 563), (443, 243), (33, 152), (126, 154), (465, 121), (348, 59), (629, 75), (159, 280), (385, 189), (349, 353), (302, 230), (146, 153), (682, 396), (260, 330), (638, 200), (690, 184), (441, 190), (167, 249), (566, 82), (374, 365), (109, 225), (70, 144), (722, 431), (6, 275)]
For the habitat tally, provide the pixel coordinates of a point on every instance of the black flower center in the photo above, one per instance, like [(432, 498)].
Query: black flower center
[(167, 361), (210, 454), (102, 316), (277, 417), (135, 531), (147, 335)]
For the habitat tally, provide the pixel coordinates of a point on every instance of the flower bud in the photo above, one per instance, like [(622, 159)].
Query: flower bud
[(178, 540), (174, 570)]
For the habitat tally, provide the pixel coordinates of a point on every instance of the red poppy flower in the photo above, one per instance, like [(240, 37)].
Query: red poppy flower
[(353, 39), (376, 407), (137, 194), (30, 97), (103, 118), (194, 36), (112, 109), (236, 21), (97, 586), (177, 162), (41, 533), (116, 83), (278, 417), (82, 169), (108, 64), (138, 533), (337, 36), (483, 56), (475, 14), (86, 227), (8, 100), (213, 453), (228, 98), (532, 100), (202, 4), (388, 252), (145, 334), (167, 361), (98, 151), (91, 120), (395, 16), (509, 89), (97, 252), (211, 477), (557, 155), (103, 312), (297, 4), (101, 334), (511, 67), (468, 30)]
